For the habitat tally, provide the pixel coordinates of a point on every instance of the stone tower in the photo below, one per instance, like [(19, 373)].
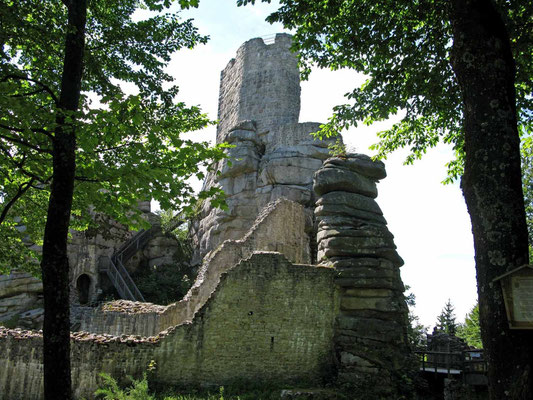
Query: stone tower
[(275, 156), (261, 84)]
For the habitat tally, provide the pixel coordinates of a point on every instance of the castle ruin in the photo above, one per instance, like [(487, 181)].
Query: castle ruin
[(298, 281)]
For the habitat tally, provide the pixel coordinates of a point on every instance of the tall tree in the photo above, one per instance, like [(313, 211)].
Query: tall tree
[(446, 320), (54, 264), (458, 71), (470, 330), (57, 56)]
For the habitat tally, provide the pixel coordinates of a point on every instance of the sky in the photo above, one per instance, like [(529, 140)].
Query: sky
[(428, 219)]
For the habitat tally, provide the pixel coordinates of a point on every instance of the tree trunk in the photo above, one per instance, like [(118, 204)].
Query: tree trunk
[(484, 66), (54, 265)]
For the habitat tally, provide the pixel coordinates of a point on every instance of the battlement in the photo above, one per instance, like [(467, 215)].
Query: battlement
[(262, 83)]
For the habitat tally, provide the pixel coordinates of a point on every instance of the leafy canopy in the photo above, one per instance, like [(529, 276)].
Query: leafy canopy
[(470, 331), (128, 142), (404, 48), (527, 185)]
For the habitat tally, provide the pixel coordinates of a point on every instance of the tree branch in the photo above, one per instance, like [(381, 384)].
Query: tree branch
[(46, 88), (35, 130), (23, 142), (20, 166), (23, 187), (28, 93)]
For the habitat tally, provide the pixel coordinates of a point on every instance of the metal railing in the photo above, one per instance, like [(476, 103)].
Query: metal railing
[(441, 361), (269, 39), (122, 281), (474, 362), (469, 363), (117, 273), (132, 246)]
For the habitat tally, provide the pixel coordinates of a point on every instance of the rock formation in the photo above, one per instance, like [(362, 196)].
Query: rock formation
[(371, 334), (21, 300), (274, 155)]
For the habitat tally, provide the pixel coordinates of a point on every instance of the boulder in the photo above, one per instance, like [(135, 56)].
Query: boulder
[(336, 179), (360, 163)]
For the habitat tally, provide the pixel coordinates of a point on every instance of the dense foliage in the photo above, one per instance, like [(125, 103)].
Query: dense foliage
[(470, 330), (527, 185), (128, 127)]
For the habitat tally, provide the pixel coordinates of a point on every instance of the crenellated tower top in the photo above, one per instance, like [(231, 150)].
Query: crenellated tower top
[(262, 83)]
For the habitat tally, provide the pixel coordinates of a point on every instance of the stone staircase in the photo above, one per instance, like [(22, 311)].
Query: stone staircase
[(116, 271)]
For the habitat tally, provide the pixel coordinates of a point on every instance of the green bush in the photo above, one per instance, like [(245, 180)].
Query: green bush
[(165, 284), (111, 390)]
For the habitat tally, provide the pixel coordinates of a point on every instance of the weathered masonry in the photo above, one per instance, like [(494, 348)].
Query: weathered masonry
[(298, 280)]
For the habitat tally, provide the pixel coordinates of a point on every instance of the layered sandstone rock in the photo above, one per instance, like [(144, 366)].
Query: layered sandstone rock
[(21, 301), (371, 335)]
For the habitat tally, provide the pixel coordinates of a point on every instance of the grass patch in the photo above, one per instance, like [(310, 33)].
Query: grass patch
[(139, 390)]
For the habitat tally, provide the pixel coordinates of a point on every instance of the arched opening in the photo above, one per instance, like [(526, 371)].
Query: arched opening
[(83, 285)]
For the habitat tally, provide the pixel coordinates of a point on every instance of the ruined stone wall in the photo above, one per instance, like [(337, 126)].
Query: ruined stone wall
[(371, 331), (280, 227), (269, 321), (274, 155)]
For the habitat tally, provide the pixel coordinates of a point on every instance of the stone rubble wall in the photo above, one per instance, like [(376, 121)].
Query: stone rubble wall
[(371, 331), (279, 227), (269, 321), (274, 155)]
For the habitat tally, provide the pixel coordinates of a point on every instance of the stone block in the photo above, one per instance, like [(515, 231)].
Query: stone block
[(360, 163), (375, 231), (351, 200), (361, 363), (16, 283), (344, 215), (369, 292), (335, 179), (288, 170), (241, 160), (333, 247)]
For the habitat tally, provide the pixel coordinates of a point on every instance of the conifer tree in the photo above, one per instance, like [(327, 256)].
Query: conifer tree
[(446, 320), (470, 331)]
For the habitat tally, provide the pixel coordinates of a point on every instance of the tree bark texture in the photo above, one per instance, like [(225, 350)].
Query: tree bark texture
[(483, 64), (54, 264)]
